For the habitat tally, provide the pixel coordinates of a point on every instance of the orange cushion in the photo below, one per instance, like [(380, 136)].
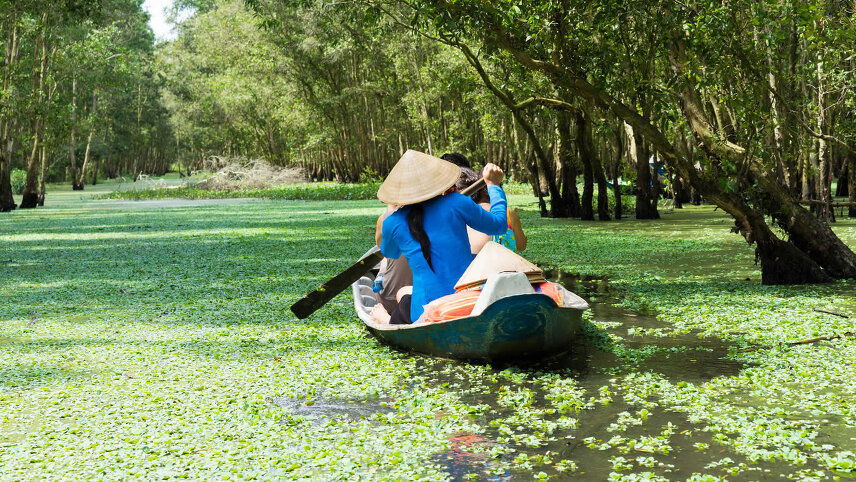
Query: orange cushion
[(550, 289), (451, 307), (460, 304)]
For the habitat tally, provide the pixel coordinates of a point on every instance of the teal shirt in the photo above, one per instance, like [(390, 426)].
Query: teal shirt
[(446, 220)]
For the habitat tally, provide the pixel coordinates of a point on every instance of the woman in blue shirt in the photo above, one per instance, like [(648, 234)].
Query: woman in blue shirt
[(430, 230)]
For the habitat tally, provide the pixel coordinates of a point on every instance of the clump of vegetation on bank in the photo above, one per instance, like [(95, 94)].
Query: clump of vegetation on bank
[(315, 191), (319, 191)]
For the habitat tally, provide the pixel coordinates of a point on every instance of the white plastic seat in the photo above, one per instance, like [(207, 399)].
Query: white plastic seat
[(499, 286)]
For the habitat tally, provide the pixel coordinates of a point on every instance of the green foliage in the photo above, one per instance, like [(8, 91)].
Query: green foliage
[(320, 191), (316, 191), (19, 178)]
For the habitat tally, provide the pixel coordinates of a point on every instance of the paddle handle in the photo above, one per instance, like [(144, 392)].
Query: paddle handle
[(320, 296)]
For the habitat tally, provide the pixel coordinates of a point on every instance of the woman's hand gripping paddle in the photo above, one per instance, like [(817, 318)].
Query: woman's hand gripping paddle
[(320, 296)]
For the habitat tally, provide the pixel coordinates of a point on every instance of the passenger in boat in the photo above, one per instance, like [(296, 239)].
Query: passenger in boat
[(457, 159), (513, 238), (394, 274), (430, 227)]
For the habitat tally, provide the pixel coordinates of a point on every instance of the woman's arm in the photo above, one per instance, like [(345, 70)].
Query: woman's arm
[(495, 221), (378, 230), (488, 222), (517, 227)]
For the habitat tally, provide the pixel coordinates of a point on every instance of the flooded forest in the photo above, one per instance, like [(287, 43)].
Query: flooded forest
[(176, 174)]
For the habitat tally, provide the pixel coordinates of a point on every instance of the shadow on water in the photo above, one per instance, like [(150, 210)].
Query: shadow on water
[(616, 342), (638, 342)]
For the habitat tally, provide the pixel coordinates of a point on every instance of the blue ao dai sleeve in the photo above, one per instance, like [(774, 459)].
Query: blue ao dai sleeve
[(493, 222)]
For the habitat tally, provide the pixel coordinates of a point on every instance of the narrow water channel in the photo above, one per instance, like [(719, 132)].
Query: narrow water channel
[(654, 440), (613, 431)]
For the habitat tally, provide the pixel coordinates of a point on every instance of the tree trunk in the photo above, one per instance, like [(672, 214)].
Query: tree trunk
[(95, 172), (842, 188), (593, 170), (811, 235), (567, 163), (851, 185), (616, 171), (586, 210), (81, 179), (7, 144), (42, 173), (677, 193), (824, 172), (30, 198), (72, 148), (646, 207), (532, 167), (696, 197), (7, 201)]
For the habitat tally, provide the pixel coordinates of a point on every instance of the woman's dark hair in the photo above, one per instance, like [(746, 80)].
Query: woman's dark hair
[(468, 177), (415, 220), (456, 158)]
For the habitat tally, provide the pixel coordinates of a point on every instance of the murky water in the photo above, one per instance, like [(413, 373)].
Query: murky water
[(320, 408), (615, 343), (595, 362)]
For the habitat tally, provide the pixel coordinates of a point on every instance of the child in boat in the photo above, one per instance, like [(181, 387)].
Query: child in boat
[(394, 274), (430, 227)]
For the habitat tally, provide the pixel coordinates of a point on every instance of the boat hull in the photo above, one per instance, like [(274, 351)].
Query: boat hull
[(522, 327)]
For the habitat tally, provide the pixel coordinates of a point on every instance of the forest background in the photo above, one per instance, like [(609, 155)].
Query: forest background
[(601, 107)]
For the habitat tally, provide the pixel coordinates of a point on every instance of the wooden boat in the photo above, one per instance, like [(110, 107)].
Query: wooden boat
[(519, 327)]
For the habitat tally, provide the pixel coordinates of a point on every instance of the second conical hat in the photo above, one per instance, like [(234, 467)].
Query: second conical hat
[(417, 177), (495, 258)]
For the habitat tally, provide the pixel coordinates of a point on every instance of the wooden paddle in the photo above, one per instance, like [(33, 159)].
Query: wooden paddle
[(320, 296)]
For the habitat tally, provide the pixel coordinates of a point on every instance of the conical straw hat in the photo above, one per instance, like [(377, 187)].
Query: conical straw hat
[(417, 177), (495, 258)]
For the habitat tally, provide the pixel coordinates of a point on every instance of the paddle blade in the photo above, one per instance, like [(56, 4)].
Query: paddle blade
[(320, 296)]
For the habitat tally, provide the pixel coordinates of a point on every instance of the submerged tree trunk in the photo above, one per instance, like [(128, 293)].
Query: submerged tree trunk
[(824, 172), (72, 148), (646, 207), (851, 185), (616, 171), (567, 163), (7, 146), (593, 169), (43, 156), (30, 198), (81, 179)]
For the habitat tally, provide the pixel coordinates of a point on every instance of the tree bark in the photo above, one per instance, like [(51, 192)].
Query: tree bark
[(72, 148), (824, 172), (30, 198), (616, 172), (567, 164), (851, 184), (593, 169), (7, 143), (646, 207)]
